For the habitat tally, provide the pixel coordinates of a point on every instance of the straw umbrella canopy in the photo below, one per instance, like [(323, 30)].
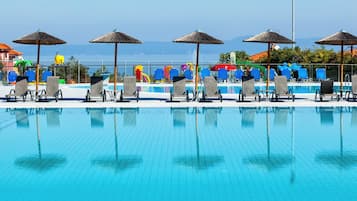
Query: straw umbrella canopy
[(341, 38), (39, 38), (116, 38), (199, 161), (198, 37), (270, 38), (40, 163), (117, 163)]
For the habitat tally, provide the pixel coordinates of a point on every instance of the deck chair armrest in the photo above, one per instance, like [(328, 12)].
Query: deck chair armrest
[(60, 94), (12, 92), (290, 91), (42, 92)]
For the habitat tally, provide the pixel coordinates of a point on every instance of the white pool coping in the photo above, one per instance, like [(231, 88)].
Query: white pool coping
[(158, 100)]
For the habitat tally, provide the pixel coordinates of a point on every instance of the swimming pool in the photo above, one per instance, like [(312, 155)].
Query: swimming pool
[(178, 154), (225, 89)]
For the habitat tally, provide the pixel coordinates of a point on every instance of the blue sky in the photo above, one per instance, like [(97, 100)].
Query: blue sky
[(164, 20)]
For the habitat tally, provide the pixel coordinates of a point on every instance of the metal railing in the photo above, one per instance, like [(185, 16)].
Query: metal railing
[(127, 68)]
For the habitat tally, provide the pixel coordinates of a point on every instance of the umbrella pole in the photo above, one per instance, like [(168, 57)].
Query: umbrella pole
[(196, 77), (268, 135), (115, 134), (38, 67), (268, 69), (115, 69), (197, 139), (341, 133), (38, 135), (341, 71), (292, 178)]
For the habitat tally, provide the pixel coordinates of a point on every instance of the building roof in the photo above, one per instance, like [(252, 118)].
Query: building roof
[(8, 49), (258, 56), (4, 47), (15, 53)]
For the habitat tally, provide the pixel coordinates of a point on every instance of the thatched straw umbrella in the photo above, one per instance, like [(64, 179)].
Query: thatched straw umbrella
[(341, 38), (116, 38), (198, 38), (269, 37), (39, 38)]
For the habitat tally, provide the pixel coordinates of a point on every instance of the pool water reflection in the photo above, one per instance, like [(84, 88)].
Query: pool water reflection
[(178, 154)]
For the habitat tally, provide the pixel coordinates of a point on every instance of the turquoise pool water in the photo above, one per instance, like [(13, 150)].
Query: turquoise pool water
[(225, 89), (178, 154)]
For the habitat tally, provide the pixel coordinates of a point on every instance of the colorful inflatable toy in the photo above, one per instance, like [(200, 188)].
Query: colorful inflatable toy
[(140, 75)]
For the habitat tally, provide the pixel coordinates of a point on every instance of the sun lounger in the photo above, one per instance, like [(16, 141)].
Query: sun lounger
[(188, 75), (238, 75), (353, 93), (287, 73), (256, 74), (52, 89), (320, 74), (326, 89), (222, 75), (96, 89), (211, 90), (31, 75), (281, 89), (179, 89), (11, 76), (302, 74), (205, 73), (130, 90), (21, 90), (173, 73), (159, 75), (46, 74), (248, 90), (272, 74)]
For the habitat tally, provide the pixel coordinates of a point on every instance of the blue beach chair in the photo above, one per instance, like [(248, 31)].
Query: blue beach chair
[(11, 77), (287, 73), (31, 75), (46, 74), (188, 74), (205, 73), (222, 74), (302, 74), (173, 73), (159, 74), (238, 74), (320, 74), (272, 74), (255, 73)]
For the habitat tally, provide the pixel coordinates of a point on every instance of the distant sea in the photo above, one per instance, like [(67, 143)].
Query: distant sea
[(149, 53)]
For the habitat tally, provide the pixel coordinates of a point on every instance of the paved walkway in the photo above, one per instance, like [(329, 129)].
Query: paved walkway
[(74, 98)]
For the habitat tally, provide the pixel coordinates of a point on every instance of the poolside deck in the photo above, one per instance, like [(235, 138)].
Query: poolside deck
[(73, 98)]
